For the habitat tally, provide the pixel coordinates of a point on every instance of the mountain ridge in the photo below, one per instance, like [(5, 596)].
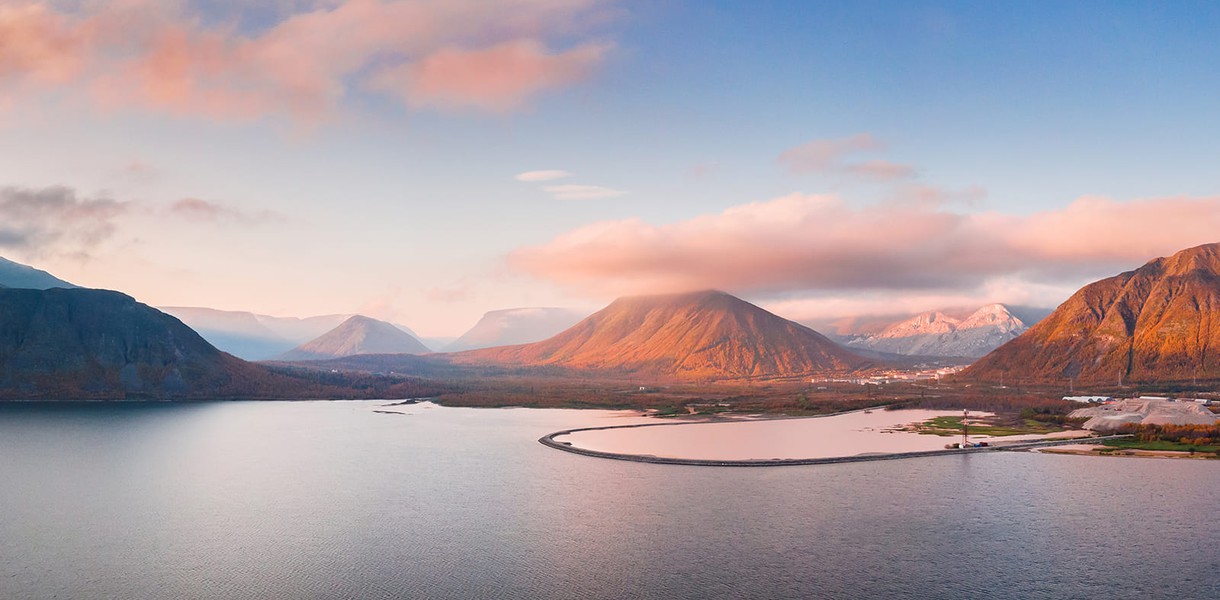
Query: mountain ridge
[(936, 333), (1159, 322)]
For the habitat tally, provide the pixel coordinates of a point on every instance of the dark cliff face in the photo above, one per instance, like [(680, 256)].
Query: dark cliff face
[(702, 335), (1158, 323), (97, 343)]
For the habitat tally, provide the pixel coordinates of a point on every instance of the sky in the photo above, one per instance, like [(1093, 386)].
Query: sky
[(425, 161)]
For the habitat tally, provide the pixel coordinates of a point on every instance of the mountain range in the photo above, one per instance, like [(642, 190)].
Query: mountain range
[(702, 335), (1157, 323), (1160, 322), (938, 333), (253, 336)]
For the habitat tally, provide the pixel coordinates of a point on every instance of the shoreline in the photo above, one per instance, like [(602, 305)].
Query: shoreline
[(1100, 450), (550, 441)]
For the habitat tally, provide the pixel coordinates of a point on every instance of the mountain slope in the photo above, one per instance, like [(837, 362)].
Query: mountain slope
[(16, 275), (358, 335), (708, 335), (1160, 322), (515, 326), (79, 343), (936, 333)]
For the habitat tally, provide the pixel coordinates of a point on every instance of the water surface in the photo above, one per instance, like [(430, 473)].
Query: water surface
[(331, 500)]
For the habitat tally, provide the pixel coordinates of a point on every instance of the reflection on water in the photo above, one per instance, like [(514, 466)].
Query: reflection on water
[(331, 500), (840, 435)]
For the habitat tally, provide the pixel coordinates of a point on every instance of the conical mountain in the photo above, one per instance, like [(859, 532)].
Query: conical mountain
[(358, 335), (1158, 323), (701, 335)]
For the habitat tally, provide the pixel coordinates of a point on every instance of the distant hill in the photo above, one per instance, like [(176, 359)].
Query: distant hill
[(357, 335), (16, 275), (515, 326), (254, 336), (702, 335), (935, 333), (1158, 323)]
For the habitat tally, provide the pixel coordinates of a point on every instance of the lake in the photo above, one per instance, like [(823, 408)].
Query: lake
[(334, 500)]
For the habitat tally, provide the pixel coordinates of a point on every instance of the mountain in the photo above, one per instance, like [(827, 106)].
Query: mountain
[(515, 326), (701, 335), (935, 333), (252, 336), (16, 275), (358, 335), (79, 343), (1158, 323)]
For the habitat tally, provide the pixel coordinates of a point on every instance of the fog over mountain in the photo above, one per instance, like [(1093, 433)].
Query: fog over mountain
[(254, 336), (515, 326)]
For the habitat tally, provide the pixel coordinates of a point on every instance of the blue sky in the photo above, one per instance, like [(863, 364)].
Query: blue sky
[(982, 125)]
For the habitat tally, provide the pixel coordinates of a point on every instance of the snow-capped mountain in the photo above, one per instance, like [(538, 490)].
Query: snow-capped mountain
[(935, 333)]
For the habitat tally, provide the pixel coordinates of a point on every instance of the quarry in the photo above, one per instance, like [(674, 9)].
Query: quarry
[(1144, 411)]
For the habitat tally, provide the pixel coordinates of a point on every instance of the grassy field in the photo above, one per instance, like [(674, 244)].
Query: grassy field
[(1134, 444), (952, 426)]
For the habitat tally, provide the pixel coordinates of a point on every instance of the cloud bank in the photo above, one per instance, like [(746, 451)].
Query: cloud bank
[(803, 243), (440, 54)]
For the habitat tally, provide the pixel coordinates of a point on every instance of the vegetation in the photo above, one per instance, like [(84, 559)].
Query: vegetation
[(948, 426), (1188, 435), (1136, 444)]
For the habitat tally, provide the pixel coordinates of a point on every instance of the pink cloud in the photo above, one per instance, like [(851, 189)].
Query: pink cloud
[(41, 45), (881, 170), (498, 79), (820, 156), (153, 55), (802, 243)]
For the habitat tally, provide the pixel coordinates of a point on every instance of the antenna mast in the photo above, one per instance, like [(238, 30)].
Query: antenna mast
[(965, 428)]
